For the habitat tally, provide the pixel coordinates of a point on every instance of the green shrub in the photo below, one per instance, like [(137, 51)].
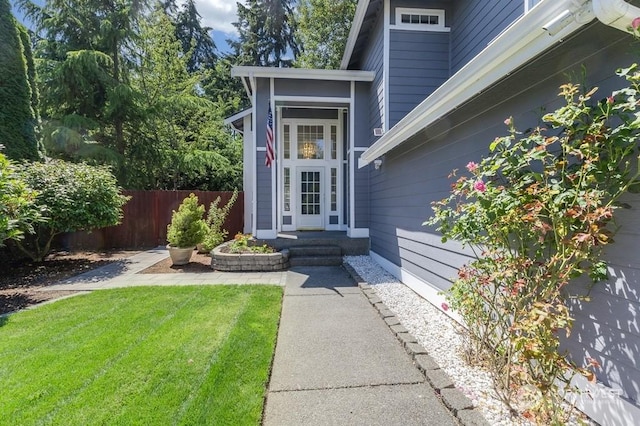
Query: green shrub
[(74, 197), (215, 220), (187, 227), (18, 210)]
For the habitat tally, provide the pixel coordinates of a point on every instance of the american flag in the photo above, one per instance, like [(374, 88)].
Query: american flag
[(270, 157)]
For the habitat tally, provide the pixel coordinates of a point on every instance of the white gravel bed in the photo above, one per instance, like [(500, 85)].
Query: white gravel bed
[(439, 335)]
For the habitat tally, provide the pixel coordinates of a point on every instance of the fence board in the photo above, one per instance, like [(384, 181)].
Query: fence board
[(145, 220)]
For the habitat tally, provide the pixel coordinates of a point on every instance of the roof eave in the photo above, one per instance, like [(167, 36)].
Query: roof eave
[(302, 73), (358, 18), (501, 57)]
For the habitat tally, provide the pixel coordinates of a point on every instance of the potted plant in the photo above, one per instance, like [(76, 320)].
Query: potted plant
[(186, 230)]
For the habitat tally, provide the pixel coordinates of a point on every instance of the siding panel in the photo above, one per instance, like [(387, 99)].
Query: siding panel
[(418, 64), (476, 23)]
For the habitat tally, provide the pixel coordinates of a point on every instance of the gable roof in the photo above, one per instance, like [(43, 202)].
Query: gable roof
[(363, 20), (544, 26)]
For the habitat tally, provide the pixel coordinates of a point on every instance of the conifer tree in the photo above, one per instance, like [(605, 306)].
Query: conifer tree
[(17, 118), (265, 33), (195, 39)]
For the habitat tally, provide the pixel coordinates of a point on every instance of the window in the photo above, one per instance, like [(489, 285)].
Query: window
[(287, 143), (528, 4), (287, 189), (420, 19), (334, 189), (310, 142)]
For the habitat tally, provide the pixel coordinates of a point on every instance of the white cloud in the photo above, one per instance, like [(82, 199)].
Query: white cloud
[(218, 14)]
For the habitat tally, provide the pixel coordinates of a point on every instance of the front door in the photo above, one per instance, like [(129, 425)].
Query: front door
[(310, 203), (310, 196)]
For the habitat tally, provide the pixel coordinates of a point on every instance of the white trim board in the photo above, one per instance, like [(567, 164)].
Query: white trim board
[(356, 24), (301, 73), (427, 291)]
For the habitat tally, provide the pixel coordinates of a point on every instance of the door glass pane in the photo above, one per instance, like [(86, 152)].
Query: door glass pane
[(287, 189), (334, 189), (310, 142), (334, 142), (310, 193), (286, 148)]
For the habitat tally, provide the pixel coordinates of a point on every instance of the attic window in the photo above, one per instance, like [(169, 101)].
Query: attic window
[(420, 19)]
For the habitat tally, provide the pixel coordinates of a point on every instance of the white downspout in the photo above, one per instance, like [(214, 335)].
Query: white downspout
[(616, 13)]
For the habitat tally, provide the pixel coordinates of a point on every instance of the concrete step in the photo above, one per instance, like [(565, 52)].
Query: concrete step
[(315, 261), (303, 251)]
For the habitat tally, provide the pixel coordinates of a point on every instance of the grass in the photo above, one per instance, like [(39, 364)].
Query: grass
[(145, 356)]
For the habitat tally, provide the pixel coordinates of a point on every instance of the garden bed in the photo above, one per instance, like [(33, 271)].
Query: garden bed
[(223, 260)]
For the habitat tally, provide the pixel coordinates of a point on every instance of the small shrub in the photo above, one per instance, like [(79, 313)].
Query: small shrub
[(18, 209), (245, 243), (187, 227), (73, 197), (215, 220)]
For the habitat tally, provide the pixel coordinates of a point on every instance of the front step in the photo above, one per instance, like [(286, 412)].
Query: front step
[(315, 251), (315, 261), (315, 255)]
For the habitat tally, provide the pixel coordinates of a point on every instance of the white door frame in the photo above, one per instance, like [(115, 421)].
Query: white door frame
[(293, 164)]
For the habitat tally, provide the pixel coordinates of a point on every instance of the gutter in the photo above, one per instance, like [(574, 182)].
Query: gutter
[(616, 13), (541, 28)]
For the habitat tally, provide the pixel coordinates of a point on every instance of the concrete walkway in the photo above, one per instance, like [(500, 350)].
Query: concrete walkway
[(126, 274), (337, 362)]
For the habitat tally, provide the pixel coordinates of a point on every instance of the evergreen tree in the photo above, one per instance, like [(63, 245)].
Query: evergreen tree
[(85, 48), (265, 33), (195, 39), (17, 118), (323, 29)]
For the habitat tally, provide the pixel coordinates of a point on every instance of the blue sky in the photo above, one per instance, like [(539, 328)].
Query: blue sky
[(217, 14)]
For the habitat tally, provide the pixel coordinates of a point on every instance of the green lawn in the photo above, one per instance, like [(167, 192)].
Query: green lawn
[(145, 356)]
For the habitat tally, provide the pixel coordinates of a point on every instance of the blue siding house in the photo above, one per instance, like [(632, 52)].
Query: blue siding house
[(423, 87)]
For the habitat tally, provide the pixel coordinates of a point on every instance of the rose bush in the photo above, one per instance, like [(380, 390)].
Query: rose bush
[(537, 213)]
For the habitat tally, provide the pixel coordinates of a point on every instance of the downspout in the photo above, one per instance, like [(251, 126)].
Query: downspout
[(616, 13)]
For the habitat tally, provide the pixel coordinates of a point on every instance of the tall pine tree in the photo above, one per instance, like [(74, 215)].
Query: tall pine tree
[(195, 39), (17, 118), (266, 33)]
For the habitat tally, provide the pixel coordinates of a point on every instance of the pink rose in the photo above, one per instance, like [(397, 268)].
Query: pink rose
[(479, 186), (445, 307), (635, 24), (472, 167), (509, 121), (610, 99)]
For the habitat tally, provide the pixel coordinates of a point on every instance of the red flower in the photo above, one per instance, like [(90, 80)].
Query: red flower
[(635, 24), (445, 306), (479, 186)]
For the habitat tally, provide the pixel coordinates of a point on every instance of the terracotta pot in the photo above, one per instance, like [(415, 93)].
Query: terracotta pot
[(180, 256)]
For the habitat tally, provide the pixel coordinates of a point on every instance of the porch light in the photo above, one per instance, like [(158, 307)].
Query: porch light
[(309, 150)]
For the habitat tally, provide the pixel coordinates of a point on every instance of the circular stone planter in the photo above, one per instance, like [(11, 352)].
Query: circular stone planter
[(253, 262), (180, 256)]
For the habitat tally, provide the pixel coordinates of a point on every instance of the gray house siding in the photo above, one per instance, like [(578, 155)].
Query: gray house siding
[(263, 173), (475, 23), (319, 88), (418, 64), (416, 174), (373, 60)]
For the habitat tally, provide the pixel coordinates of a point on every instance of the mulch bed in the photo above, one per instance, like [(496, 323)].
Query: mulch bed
[(20, 280), (199, 263)]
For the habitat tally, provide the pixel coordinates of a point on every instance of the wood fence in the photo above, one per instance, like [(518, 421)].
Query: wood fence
[(145, 221)]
